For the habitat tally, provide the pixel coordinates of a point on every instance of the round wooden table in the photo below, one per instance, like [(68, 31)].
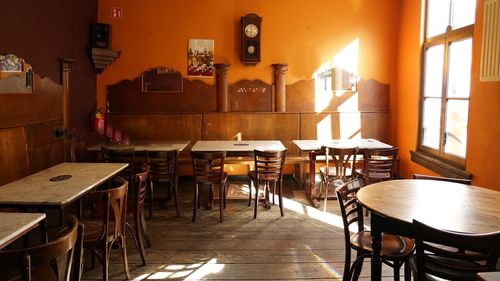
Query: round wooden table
[(444, 205)]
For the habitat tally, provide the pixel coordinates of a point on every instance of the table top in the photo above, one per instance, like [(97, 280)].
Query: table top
[(488, 276), (144, 145), (440, 204), (312, 145), (238, 146), (14, 225), (38, 189)]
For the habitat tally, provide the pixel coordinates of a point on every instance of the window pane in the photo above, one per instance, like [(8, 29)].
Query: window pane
[(460, 68), (438, 16), (434, 59), (456, 127), (464, 13), (431, 122)]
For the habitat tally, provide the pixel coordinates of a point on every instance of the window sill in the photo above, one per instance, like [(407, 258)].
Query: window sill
[(443, 168)]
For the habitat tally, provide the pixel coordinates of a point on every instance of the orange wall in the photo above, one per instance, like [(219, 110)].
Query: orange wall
[(483, 151), (303, 34)]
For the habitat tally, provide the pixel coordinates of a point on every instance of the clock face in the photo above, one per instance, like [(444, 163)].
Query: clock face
[(251, 30)]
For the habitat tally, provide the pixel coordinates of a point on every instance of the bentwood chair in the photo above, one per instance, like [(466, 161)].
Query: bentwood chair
[(379, 165), (437, 178), (57, 260), (208, 168), (135, 206), (163, 171), (124, 155), (396, 250), (338, 168), (451, 255), (107, 227), (268, 170)]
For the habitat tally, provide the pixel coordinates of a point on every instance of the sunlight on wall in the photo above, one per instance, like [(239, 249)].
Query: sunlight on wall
[(347, 58), (324, 128)]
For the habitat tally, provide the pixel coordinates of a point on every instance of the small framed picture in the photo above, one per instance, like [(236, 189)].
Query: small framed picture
[(201, 58)]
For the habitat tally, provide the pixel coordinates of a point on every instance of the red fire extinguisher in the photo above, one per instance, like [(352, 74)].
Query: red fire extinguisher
[(97, 120)]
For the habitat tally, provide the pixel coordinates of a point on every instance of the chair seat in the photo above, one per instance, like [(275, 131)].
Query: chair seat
[(332, 172), (263, 177), (393, 246), (93, 230), (454, 275), (373, 175), (212, 180)]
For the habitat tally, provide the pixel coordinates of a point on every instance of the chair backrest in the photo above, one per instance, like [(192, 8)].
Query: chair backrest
[(113, 203), (452, 255), (50, 261), (343, 160), (381, 163), (163, 164), (125, 155), (351, 210), (269, 164), (141, 176), (436, 178), (208, 167)]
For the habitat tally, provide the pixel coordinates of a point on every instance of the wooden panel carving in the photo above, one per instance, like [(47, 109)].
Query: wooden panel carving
[(127, 97), (345, 125), (162, 79), (253, 126), (250, 96), (371, 96), (43, 105)]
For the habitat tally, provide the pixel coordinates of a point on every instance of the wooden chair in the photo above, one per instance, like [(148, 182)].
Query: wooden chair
[(268, 170), (436, 178), (125, 155), (396, 250), (163, 170), (439, 253), (208, 168), (379, 165), (135, 206), (343, 160), (108, 226), (57, 260)]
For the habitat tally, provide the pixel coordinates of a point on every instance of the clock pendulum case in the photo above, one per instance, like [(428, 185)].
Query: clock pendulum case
[(250, 39)]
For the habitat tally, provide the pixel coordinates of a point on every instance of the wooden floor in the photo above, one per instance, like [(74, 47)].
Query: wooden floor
[(305, 244)]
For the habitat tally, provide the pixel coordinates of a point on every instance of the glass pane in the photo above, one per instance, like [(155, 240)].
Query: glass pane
[(460, 68), (456, 127), (438, 16), (431, 122), (434, 60), (463, 13)]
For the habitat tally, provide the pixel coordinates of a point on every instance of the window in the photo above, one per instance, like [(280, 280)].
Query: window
[(446, 73)]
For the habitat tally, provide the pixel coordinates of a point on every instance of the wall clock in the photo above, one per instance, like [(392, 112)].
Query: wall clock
[(250, 39)]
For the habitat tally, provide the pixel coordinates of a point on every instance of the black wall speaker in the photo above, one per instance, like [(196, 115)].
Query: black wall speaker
[(100, 35)]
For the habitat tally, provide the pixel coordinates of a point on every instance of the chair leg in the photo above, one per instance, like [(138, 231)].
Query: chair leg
[(221, 202), (105, 262), (274, 191), (396, 270), (326, 195), (225, 195), (151, 199), (256, 200), (407, 269), (139, 233), (357, 266), (250, 182), (124, 254), (280, 196), (347, 264), (176, 193), (196, 201)]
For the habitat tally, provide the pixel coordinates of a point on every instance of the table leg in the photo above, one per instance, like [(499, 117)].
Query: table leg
[(376, 263), (311, 188)]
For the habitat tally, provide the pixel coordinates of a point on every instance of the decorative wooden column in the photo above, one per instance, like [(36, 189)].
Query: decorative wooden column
[(66, 65), (280, 86), (221, 70)]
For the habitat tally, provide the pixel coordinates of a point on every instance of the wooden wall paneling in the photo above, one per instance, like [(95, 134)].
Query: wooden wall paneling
[(376, 125), (312, 125), (159, 126), (300, 96), (14, 163), (373, 96), (127, 97), (253, 126), (44, 150), (250, 96), (45, 104)]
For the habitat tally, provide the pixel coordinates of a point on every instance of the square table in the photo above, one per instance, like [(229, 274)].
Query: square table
[(15, 225), (144, 145), (313, 146), (57, 186)]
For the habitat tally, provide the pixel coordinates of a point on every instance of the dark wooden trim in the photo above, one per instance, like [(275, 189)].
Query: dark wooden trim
[(443, 168)]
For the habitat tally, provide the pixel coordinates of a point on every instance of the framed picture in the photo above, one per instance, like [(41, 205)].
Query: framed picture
[(201, 58)]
